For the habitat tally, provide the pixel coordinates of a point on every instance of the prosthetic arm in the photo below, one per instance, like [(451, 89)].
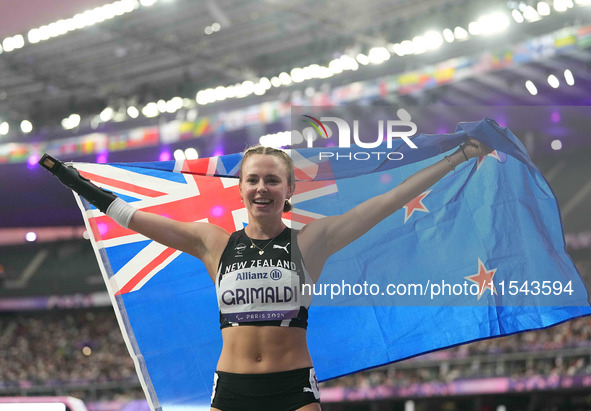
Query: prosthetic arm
[(104, 200)]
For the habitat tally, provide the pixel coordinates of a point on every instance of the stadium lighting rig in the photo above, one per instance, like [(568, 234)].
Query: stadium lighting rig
[(489, 24)]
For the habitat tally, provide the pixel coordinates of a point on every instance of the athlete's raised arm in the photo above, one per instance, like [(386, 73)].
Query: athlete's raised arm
[(202, 240), (324, 237)]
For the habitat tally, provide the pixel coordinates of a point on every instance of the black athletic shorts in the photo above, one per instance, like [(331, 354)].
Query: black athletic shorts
[(278, 391)]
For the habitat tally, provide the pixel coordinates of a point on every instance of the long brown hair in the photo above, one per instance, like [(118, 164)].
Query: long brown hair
[(281, 155)]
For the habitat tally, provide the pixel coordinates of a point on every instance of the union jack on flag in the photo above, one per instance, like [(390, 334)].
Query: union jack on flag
[(489, 222)]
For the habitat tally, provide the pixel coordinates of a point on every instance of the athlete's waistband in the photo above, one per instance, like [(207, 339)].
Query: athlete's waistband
[(287, 373)]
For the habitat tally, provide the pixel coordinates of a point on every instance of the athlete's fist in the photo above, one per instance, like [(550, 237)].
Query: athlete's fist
[(474, 148)]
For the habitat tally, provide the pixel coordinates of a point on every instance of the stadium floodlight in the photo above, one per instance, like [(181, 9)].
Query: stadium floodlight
[(531, 87), (285, 79), (18, 41), (71, 122), (26, 126), (517, 16), (242, 90), (191, 154), (556, 145), (297, 75), (448, 35), (419, 44), (178, 155), (107, 114), (259, 89), (150, 110), (247, 88), (133, 112), (326, 72), (74, 120), (79, 21), (313, 70), (461, 34), (8, 44), (221, 93), (264, 81), (107, 11), (543, 8), (281, 139), (433, 40), (201, 97), (275, 82), (378, 55), (174, 104), (335, 66), (560, 5), (493, 23), (34, 36), (568, 76), (475, 28), (363, 59), (530, 14), (349, 63), (4, 128), (553, 81), (397, 49), (407, 47), (232, 91)]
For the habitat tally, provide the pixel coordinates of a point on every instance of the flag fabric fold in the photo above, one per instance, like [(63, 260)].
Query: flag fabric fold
[(492, 227)]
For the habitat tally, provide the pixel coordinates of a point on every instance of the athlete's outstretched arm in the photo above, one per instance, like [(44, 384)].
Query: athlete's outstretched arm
[(202, 240), (324, 237)]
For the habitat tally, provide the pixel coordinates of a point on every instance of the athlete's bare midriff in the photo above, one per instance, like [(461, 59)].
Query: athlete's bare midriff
[(263, 349)]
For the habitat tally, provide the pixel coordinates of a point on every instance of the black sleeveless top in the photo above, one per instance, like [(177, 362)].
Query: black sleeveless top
[(263, 289)]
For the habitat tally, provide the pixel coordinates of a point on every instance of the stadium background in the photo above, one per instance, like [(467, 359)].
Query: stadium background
[(147, 80)]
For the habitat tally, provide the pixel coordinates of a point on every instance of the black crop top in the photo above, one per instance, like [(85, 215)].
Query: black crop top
[(263, 289)]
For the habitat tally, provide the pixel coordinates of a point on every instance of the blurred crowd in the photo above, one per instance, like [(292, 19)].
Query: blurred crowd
[(62, 348), (562, 350)]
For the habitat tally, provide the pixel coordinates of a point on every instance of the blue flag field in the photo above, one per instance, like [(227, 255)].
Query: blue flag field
[(481, 254)]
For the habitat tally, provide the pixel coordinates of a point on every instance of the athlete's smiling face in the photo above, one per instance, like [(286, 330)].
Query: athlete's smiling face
[(264, 185)]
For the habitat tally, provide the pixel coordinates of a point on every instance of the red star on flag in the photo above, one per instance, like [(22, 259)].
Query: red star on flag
[(493, 154), (415, 205), (484, 279)]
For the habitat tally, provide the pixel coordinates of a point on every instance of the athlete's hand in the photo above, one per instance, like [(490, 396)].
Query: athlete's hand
[(474, 148)]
